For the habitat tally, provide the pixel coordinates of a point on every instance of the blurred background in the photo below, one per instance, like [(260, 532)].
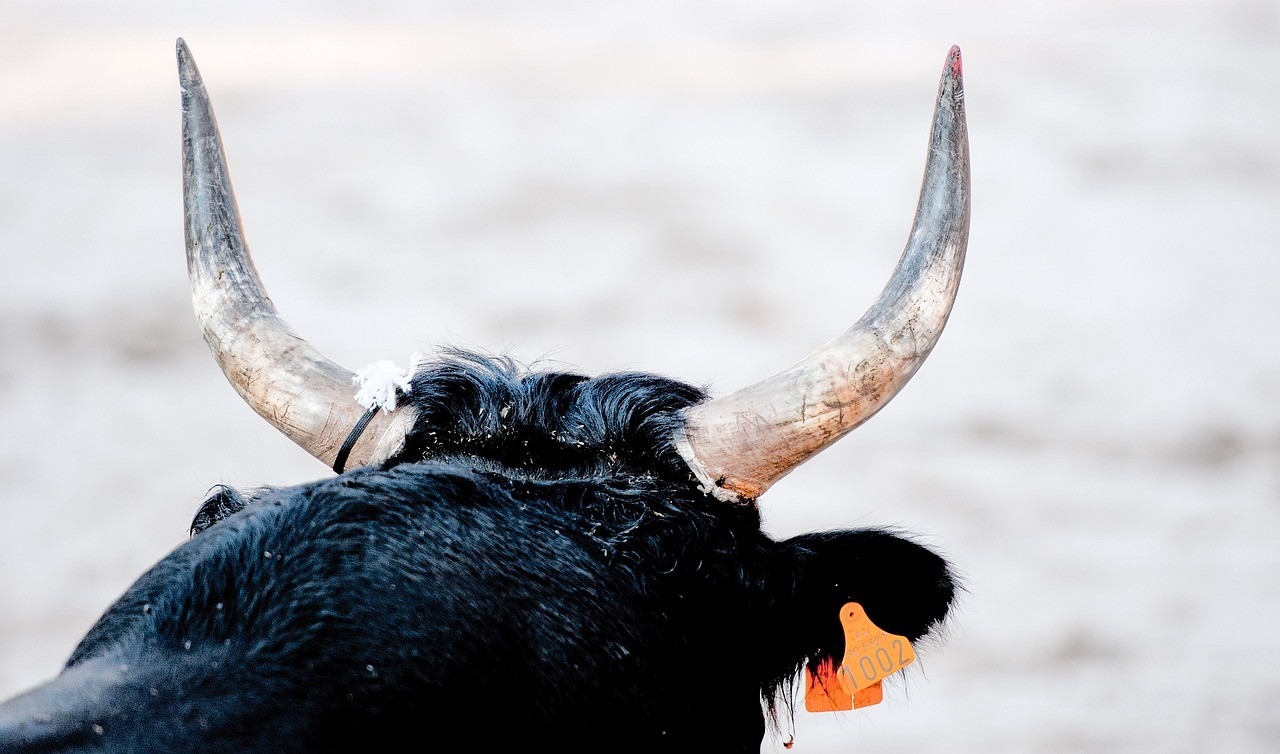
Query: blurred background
[(708, 189)]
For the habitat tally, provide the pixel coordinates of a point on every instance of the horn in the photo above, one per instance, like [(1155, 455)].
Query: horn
[(740, 444), (300, 391)]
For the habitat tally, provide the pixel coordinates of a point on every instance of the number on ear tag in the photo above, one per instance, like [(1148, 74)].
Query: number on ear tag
[(870, 654)]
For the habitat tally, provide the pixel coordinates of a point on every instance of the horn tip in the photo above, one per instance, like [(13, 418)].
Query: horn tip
[(188, 73), (955, 66), (951, 87)]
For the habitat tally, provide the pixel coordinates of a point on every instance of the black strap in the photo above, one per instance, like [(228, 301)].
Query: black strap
[(340, 462)]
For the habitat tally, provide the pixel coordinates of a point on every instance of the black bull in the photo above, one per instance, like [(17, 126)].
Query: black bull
[(514, 558)]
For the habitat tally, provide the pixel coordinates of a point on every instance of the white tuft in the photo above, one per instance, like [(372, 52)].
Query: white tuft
[(382, 381)]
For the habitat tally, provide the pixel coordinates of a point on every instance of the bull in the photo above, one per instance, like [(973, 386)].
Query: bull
[(575, 562)]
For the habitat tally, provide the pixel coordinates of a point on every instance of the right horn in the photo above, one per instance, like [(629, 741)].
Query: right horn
[(740, 444)]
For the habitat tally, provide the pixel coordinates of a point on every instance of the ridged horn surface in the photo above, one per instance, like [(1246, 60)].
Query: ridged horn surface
[(300, 391), (740, 444)]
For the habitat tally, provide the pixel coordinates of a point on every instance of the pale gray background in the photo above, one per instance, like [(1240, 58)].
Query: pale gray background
[(708, 190)]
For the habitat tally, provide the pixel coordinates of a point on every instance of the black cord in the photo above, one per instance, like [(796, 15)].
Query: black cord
[(340, 462)]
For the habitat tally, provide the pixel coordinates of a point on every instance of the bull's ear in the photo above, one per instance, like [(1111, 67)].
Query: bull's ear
[(221, 502), (905, 588)]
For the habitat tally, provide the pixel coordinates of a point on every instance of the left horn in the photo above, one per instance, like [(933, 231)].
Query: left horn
[(300, 391), (742, 443)]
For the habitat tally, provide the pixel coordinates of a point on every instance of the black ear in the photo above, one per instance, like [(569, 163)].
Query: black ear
[(221, 502), (905, 588)]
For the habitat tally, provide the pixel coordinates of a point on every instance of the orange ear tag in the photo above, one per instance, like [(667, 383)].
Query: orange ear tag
[(823, 692), (870, 654)]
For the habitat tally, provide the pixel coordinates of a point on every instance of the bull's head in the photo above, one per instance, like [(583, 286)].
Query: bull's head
[(574, 551)]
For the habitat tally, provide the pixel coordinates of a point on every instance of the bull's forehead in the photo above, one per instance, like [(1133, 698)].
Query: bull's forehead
[(553, 423)]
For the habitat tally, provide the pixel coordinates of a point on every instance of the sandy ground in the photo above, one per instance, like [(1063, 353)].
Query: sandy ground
[(708, 190)]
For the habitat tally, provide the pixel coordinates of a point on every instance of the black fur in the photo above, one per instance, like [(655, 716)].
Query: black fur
[(538, 557)]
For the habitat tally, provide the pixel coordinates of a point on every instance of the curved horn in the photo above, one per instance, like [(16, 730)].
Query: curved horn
[(742, 443), (304, 394)]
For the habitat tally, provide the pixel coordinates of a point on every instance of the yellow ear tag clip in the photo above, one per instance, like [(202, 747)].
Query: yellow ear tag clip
[(870, 654)]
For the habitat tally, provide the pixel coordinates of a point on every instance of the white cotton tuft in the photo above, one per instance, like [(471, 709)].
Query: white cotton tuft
[(380, 381)]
